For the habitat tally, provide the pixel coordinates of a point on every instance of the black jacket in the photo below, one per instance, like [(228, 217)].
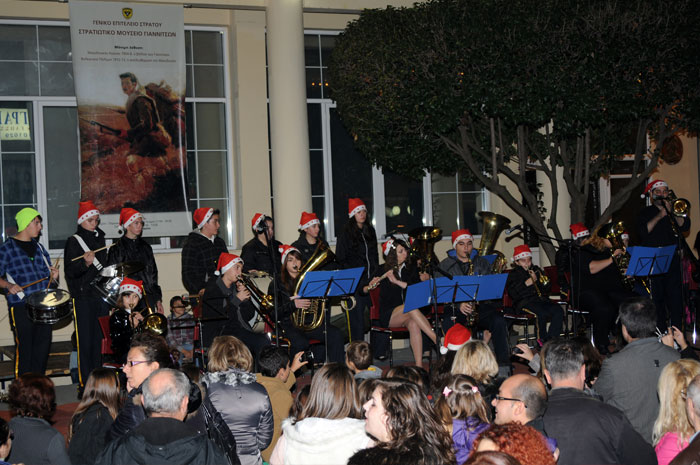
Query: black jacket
[(521, 293), (90, 430), (78, 275), (219, 301), (128, 418), (415, 455), (138, 250), (199, 259), (356, 249), (162, 441), (256, 256), (391, 295)]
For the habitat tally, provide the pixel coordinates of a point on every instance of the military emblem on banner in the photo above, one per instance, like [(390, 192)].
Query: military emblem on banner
[(127, 13)]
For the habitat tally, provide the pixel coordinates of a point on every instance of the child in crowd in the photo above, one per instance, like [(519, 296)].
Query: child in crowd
[(358, 357), (181, 330)]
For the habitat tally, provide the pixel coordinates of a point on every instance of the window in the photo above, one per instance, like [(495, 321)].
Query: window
[(42, 170), (455, 203)]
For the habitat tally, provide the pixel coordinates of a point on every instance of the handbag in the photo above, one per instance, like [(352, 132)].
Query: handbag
[(219, 432)]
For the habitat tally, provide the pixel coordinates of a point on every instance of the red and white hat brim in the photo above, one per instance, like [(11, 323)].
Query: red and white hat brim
[(522, 255), (581, 234), (132, 218), (130, 288), (309, 223), (388, 245), (460, 238), (208, 215), (228, 266), (356, 210), (653, 186), (88, 214), (286, 252), (455, 347)]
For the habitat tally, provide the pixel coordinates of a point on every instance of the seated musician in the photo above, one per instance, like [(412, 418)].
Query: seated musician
[(221, 306), (309, 236), (489, 315), (288, 304), (124, 318), (256, 252), (527, 291), (395, 278)]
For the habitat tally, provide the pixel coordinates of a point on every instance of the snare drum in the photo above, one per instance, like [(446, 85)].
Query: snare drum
[(49, 306)]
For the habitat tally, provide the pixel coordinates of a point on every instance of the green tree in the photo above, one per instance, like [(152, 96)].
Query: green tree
[(494, 88)]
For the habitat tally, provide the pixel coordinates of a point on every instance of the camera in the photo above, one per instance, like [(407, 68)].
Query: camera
[(307, 356)]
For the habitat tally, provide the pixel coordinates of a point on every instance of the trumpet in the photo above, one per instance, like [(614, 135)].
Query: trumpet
[(541, 281)]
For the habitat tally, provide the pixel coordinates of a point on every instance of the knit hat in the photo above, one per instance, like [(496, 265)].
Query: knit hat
[(201, 216), (131, 285), (87, 210), (308, 219), (355, 206), (578, 230), (521, 251), (24, 217), (226, 261), (257, 218), (654, 185), (128, 216), (456, 337), (459, 235), (284, 250), (388, 245)]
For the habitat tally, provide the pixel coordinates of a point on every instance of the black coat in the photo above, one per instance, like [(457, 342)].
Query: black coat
[(90, 430), (356, 249), (199, 259), (128, 418), (219, 301), (138, 250), (78, 274), (256, 256), (414, 455)]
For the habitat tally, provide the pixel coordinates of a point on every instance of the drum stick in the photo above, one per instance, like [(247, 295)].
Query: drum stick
[(96, 250), (55, 266), (35, 282)]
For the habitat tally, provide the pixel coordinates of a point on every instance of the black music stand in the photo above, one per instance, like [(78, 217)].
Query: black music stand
[(324, 284)]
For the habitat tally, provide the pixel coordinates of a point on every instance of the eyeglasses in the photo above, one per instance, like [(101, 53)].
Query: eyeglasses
[(499, 398), (133, 363)]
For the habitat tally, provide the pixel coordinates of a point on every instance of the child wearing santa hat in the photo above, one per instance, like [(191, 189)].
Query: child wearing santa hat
[(309, 236), (261, 253), (201, 250)]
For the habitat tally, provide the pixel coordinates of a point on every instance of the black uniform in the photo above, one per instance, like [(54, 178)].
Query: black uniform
[(256, 256), (138, 250), (526, 297), (200, 256)]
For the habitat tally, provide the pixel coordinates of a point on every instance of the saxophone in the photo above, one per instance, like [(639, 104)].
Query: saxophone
[(473, 317), (308, 319), (613, 233)]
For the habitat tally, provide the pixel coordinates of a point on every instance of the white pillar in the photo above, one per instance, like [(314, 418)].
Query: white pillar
[(291, 178)]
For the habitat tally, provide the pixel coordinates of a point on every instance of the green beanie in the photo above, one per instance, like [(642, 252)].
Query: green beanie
[(24, 217)]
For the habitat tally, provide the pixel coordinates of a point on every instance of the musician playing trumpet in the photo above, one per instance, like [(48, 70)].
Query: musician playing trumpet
[(529, 290)]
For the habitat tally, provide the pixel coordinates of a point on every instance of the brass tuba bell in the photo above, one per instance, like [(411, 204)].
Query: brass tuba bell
[(308, 319), (679, 207), (494, 225), (424, 239)]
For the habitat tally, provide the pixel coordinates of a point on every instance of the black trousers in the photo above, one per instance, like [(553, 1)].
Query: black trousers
[(88, 308), (546, 311), (667, 294), (357, 316), (490, 318), (299, 341), (32, 340), (603, 307)]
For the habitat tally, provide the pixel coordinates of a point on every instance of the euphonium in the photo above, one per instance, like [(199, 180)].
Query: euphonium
[(308, 319), (263, 301), (153, 322), (494, 225)]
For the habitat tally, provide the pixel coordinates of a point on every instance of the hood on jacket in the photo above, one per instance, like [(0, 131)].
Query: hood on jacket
[(230, 377), (322, 434)]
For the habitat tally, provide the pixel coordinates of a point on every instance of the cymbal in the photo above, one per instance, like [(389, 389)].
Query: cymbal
[(127, 268), (426, 233)]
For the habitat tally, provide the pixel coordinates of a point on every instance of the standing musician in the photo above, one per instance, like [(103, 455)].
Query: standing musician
[(89, 306), (563, 260), (527, 291), (357, 247), (222, 300), (655, 230), (125, 318), (256, 253), (489, 315), (289, 303), (23, 260), (309, 236), (201, 251), (132, 248)]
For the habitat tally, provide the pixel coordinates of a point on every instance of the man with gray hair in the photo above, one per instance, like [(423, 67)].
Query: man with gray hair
[(691, 454), (587, 431), (163, 438)]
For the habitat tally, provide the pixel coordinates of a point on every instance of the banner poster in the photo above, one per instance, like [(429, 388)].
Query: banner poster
[(129, 73)]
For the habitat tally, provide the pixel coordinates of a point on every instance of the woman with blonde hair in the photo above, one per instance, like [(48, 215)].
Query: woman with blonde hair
[(243, 403), (476, 359), (672, 429)]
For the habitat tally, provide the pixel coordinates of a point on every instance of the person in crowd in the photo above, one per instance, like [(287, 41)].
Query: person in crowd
[(526, 290), (672, 429), (329, 429), (277, 377), (357, 247), (464, 412), (300, 401), (32, 401), (256, 253), (405, 426), (25, 266), (163, 437), (132, 248), (475, 359), (201, 251), (289, 303), (655, 229), (243, 403), (598, 288), (628, 379), (691, 454), (366, 388), (415, 374), (396, 277), (181, 330), (222, 305), (521, 441), (586, 430), (491, 457), (489, 317), (358, 357), (441, 368), (93, 417), (6, 437), (148, 353), (125, 318), (309, 236)]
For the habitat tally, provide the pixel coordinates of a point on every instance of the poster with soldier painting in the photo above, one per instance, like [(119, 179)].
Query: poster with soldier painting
[(129, 73)]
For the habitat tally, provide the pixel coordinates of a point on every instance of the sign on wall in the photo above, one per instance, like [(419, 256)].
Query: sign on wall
[(14, 124)]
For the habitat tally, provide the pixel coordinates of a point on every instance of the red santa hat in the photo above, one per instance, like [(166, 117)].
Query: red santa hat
[(578, 230), (131, 285), (128, 216), (388, 245), (202, 215), (456, 337), (308, 219), (355, 206), (285, 249), (87, 210), (226, 261), (654, 185), (625, 235), (459, 235), (521, 251), (257, 219)]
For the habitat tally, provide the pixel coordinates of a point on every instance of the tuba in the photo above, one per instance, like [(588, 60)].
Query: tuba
[(494, 225), (308, 319), (423, 245)]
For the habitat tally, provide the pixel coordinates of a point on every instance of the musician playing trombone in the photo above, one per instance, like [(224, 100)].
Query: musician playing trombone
[(26, 267)]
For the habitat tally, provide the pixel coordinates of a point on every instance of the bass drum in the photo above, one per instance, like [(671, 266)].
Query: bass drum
[(49, 306)]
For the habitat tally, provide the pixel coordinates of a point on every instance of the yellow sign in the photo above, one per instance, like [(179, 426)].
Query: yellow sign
[(127, 12), (14, 124)]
